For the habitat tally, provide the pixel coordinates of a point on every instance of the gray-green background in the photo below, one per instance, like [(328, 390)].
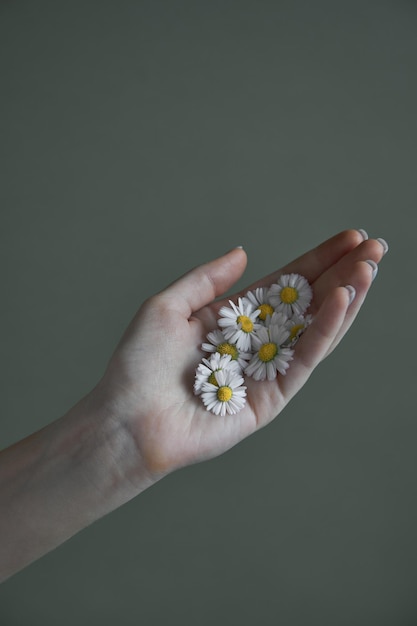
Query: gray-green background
[(139, 139)]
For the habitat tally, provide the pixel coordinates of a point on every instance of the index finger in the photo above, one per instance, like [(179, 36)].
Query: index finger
[(313, 263)]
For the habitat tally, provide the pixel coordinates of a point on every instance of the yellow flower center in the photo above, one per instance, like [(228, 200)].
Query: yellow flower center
[(266, 309), (289, 295), (212, 379), (228, 348), (295, 330), (267, 352), (224, 393), (246, 323)]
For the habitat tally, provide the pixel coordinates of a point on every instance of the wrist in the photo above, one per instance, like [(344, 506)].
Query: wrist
[(99, 439), (62, 478)]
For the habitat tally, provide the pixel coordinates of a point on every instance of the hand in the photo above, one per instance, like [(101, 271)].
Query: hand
[(142, 420), (149, 378)]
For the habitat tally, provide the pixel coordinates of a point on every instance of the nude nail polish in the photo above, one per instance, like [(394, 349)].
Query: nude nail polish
[(363, 233), (374, 268), (383, 244), (352, 293)]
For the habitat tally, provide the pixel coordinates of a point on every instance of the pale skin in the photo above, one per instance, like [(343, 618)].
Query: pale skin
[(142, 421)]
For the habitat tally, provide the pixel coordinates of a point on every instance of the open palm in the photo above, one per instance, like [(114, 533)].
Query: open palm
[(149, 379)]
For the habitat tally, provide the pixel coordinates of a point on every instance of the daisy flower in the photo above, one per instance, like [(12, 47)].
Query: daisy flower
[(278, 318), (207, 368), (259, 298), (270, 355), (218, 343), (297, 325), (228, 395), (239, 323), (291, 294)]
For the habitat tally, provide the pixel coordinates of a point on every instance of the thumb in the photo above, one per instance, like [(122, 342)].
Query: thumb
[(204, 283)]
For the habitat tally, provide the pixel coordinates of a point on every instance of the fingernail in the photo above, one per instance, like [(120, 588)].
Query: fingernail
[(352, 293), (374, 268), (241, 247), (363, 233), (383, 244)]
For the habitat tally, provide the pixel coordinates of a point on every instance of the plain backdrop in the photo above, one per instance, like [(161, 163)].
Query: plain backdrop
[(139, 139)]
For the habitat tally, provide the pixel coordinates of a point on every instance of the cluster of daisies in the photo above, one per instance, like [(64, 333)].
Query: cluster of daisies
[(256, 338)]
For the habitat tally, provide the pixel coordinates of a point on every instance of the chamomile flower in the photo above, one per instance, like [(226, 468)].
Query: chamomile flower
[(207, 368), (270, 355), (228, 395), (238, 323), (259, 298), (218, 343), (291, 294), (297, 325)]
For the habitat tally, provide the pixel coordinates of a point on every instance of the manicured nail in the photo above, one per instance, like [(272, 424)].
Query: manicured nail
[(374, 268), (383, 244), (363, 233), (241, 247), (352, 293)]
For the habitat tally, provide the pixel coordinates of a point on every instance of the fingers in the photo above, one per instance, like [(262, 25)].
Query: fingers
[(333, 314), (362, 276), (340, 273), (314, 263), (201, 285), (355, 268), (316, 341)]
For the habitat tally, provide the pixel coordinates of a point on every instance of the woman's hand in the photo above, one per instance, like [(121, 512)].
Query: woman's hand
[(149, 378), (142, 420)]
